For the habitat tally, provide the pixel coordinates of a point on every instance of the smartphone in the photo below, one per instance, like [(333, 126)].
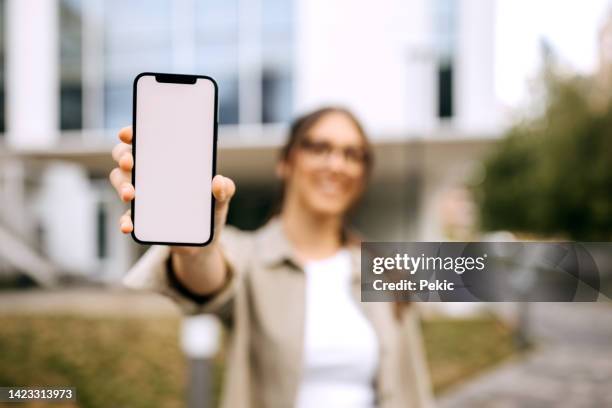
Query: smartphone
[(175, 149)]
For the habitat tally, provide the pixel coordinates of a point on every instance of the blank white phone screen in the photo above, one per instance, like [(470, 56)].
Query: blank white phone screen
[(174, 143)]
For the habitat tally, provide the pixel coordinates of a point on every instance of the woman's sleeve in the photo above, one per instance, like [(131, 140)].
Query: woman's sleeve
[(153, 272)]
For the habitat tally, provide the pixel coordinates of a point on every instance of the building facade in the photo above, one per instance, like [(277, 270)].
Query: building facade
[(419, 73)]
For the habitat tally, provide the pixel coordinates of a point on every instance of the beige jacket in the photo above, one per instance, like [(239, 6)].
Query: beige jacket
[(263, 306)]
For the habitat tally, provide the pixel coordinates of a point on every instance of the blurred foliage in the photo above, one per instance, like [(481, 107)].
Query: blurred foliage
[(551, 175), (136, 362)]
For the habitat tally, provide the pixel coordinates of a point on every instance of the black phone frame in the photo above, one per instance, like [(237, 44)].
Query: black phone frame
[(178, 79)]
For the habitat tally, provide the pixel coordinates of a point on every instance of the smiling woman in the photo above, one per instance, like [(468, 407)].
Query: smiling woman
[(289, 293), (312, 171)]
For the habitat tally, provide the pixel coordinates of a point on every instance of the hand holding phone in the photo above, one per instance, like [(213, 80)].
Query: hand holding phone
[(169, 165), (223, 189), (201, 269)]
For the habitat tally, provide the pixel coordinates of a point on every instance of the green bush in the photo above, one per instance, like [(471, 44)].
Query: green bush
[(551, 175)]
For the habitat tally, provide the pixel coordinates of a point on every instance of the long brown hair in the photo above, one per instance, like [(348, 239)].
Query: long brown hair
[(297, 132)]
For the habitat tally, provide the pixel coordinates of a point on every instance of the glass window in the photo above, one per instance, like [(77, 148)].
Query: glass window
[(141, 35), (101, 235), (2, 71), (217, 51), (277, 60), (445, 33), (445, 90), (137, 38), (71, 90)]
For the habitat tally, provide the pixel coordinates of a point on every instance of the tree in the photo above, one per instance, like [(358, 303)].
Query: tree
[(552, 174)]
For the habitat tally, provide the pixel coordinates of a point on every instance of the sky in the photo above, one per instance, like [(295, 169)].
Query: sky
[(570, 26)]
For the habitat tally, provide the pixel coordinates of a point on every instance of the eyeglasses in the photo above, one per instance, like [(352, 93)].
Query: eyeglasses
[(322, 150)]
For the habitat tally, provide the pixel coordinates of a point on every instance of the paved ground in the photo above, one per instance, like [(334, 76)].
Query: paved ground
[(571, 365)]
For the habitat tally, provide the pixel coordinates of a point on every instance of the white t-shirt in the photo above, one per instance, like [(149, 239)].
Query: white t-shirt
[(340, 345)]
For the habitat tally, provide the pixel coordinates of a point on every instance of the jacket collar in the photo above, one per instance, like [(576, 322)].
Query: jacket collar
[(277, 248), (275, 244)]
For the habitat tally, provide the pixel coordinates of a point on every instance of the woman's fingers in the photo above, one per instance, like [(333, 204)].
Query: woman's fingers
[(126, 162), (125, 135), (121, 180), (223, 189), (120, 150), (125, 222), (122, 154), (121, 177)]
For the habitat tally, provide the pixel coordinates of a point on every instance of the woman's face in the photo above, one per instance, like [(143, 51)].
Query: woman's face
[(326, 171)]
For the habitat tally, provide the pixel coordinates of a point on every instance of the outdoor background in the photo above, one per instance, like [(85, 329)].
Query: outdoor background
[(490, 119)]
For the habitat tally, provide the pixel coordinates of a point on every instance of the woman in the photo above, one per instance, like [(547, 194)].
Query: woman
[(289, 292)]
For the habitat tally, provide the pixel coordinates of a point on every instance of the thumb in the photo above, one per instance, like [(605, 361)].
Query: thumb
[(223, 189)]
